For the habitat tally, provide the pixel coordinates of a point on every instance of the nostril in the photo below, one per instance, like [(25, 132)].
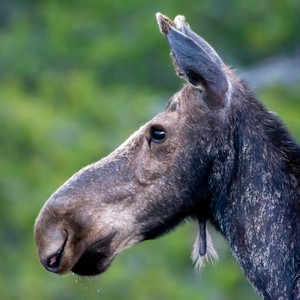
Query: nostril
[(53, 262)]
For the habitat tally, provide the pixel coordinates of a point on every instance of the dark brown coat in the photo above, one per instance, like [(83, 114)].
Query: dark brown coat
[(215, 154)]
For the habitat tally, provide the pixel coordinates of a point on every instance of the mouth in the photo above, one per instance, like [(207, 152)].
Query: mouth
[(96, 258)]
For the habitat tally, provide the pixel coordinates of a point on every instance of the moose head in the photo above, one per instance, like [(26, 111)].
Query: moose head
[(215, 153), (154, 180)]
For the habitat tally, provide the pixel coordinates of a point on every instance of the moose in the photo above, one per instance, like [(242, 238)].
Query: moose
[(215, 154)]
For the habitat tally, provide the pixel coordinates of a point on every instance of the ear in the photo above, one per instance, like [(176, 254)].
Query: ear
[(196, 60)]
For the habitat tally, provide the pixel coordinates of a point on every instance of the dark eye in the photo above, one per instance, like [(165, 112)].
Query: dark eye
[(157, 134)]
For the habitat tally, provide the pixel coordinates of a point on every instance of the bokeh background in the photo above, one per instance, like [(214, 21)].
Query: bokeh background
[(76, 79)]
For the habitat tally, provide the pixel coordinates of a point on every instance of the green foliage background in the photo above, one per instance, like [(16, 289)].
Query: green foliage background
[(76, 79)]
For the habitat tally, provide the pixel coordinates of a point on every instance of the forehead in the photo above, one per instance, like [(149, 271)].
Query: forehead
[(186, 99)]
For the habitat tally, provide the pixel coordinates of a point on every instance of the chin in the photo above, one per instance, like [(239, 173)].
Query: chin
[(92, 263)]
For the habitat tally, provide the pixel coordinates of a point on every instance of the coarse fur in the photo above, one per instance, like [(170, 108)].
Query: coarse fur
[(214, 154)]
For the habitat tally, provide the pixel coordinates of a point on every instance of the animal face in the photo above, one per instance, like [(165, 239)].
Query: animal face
[(153, 181)]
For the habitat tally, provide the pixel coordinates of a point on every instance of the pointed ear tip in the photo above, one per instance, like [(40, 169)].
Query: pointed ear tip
[(164, 23), (180, 22)]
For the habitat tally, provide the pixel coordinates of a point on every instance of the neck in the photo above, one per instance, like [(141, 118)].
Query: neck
[(257, 207)]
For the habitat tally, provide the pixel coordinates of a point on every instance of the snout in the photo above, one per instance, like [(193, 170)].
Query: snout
[(61, 251), (85, 223), (66, 245)]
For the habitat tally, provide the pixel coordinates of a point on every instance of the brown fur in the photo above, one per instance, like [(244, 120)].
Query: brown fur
[(214, 154)]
